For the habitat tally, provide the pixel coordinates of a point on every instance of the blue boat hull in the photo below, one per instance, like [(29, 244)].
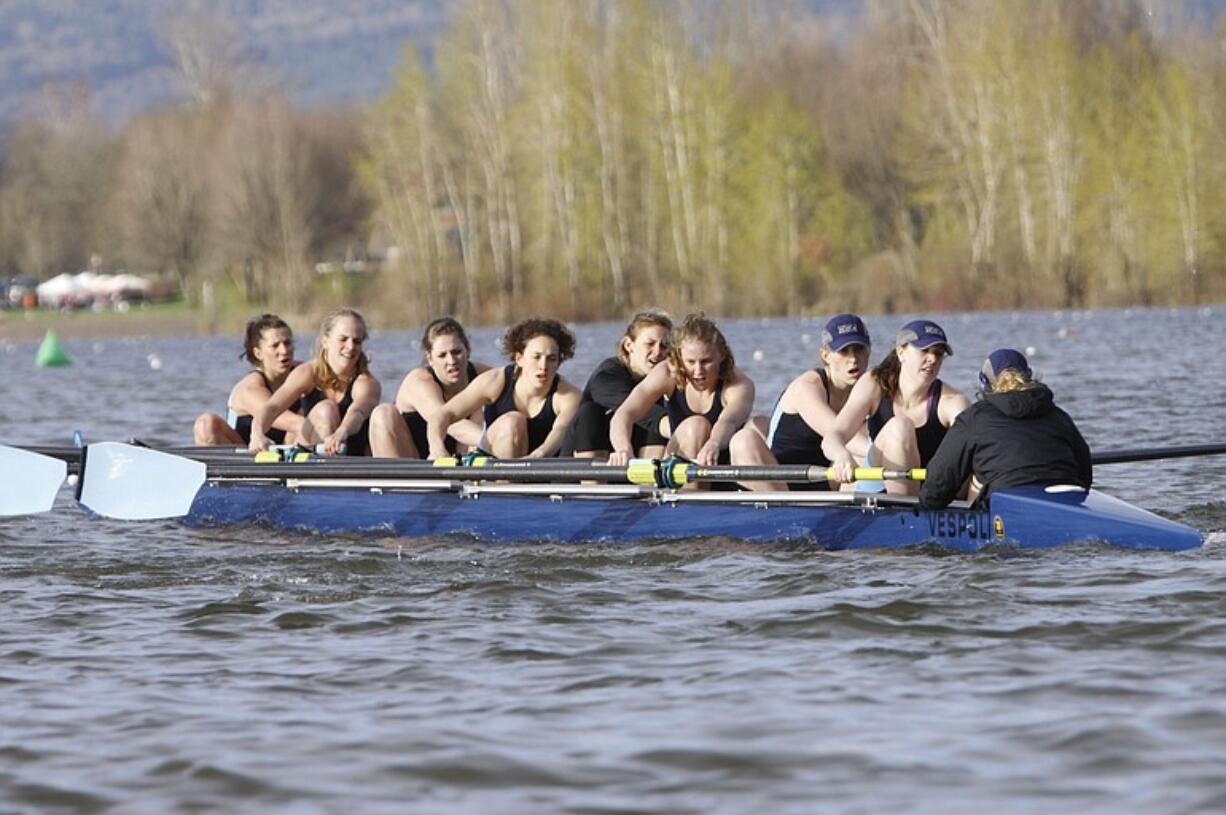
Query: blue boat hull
[(1027, 517)]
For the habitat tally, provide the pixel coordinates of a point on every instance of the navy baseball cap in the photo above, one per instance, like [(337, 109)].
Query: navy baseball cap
[(999, 361), (843, 330), (923, 334)]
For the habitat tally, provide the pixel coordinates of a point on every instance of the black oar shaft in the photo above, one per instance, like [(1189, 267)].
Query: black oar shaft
[(319, 469), (1154, 453), (722, 472)]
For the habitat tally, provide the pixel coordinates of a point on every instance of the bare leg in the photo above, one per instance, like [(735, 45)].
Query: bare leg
[(895, 448), (507, 437), (651, 451), (688, 439), (211, 429), (320, 423), (389, 435), (748, 448)]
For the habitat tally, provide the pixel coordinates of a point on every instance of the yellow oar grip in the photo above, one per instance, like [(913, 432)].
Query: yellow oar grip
[(281, 457), (641, 471), (881, 474), (452, 461)]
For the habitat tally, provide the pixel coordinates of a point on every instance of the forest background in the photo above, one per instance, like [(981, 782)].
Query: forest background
[(586, 157)]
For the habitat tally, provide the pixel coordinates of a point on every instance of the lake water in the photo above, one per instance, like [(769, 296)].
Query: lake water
[(150, 668)]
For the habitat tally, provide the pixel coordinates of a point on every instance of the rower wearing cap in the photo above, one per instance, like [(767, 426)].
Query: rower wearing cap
[(1014, 435), (909, 409), (807, 409)]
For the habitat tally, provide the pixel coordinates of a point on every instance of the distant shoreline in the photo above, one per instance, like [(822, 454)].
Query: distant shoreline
[(18, 326)]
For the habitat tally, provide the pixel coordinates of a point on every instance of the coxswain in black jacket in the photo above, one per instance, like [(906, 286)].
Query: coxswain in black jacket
[(1006, 440)]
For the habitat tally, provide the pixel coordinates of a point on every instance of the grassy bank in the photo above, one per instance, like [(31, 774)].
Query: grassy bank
[(161, 319)]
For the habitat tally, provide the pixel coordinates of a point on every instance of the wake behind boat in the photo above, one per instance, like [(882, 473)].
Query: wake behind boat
[(419, 500)]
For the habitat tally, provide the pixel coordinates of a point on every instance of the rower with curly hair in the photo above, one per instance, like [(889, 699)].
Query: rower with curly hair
[(527, 405)]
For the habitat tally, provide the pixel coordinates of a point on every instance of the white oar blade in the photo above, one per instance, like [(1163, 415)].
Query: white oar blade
[(30, 481), (138, 484)]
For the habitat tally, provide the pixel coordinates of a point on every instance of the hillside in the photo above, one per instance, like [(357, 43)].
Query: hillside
[(118, 47)]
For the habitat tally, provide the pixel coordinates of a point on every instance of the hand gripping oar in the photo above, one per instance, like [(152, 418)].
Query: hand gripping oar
[(30, 481)]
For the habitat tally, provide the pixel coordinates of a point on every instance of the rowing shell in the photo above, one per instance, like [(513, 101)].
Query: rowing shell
[(1026, 517)]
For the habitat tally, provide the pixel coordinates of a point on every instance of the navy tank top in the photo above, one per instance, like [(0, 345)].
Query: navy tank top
[(538, 425), (791, 440), (679, 409), (928, 436), (359, 441), (417, 423), (241, 422)]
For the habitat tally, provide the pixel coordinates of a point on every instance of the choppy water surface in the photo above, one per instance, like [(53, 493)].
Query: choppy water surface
[(153, 668)]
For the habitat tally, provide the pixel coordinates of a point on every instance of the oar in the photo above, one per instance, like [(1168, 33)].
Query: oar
[(675, 472), (134, 483), (30, 481), (1152, 453), (137, 483)]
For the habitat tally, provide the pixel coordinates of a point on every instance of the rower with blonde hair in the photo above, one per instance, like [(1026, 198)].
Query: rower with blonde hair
[(337, 390), (1014, 435), (707, 396)]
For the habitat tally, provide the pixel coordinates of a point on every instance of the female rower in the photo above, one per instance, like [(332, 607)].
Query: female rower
[(708, 398), (268, 344), (807, 408), (1014, 435), (909, 409), (527, 404), (337, 390), (398, 430), (643, 345)]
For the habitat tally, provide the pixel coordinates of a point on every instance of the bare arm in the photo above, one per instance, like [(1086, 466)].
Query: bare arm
[(565, 404), (657, 383), (300, 381), (251, 394), (953, 402), (862, 401), (738, 404), (809, 396), (366, 393), (480, 392)]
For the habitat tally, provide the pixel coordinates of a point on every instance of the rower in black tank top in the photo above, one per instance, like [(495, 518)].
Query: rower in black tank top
[(417, 423), (928, 436), (241, 422), (538, 425), (679, 409), (358, 442), (791, 440)]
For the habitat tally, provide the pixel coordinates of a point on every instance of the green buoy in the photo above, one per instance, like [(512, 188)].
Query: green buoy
[(50, 355)]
